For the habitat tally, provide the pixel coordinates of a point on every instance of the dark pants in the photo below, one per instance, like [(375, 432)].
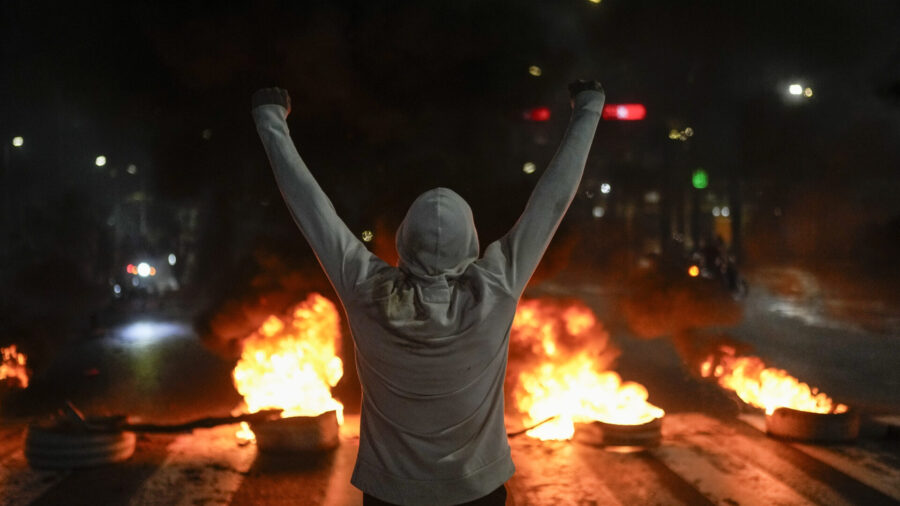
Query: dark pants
[(495, 498)]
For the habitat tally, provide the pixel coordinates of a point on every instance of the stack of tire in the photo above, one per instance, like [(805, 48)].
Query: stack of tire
[(63, 446)]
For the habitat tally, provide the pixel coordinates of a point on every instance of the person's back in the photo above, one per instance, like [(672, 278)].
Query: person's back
[(432, 333)]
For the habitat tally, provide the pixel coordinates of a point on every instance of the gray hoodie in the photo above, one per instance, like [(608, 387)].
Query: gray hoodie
[(432, 333)]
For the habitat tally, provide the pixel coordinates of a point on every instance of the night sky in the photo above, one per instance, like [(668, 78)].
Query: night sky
[(392, 98)]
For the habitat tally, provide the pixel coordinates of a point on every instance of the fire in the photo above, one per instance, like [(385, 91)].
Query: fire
[(765, 387), (291, 362), (12, 366), (568, 350)]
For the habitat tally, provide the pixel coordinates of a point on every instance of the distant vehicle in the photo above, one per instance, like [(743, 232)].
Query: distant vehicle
[(147, 277)]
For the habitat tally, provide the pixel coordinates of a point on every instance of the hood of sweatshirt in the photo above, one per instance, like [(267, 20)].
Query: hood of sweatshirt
[(437, 238)]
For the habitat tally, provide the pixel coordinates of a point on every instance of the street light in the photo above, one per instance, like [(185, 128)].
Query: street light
[(537, 114), (18, 141), (100, 161), (626, 112), (797, 90)]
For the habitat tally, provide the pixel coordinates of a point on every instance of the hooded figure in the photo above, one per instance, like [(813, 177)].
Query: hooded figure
[(432, 333)]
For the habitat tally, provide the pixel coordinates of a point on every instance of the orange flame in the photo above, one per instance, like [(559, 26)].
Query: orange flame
[(291, 362), (765, 387), (12, 366), (566, 384)]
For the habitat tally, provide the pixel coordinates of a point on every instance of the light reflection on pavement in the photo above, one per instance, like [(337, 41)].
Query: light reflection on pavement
[(157, 370), (148, 332)]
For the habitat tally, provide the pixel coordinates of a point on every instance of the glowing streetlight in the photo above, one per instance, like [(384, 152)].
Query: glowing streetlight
[(598, 211), (172, 259), (367, 235), (807, 92), (100, 161), (529, 168), (18, 141), (626, 112), (605, 188), (143, 269), (795, 89), (535, 71), (681, 135), (595, 1), (131, 169)]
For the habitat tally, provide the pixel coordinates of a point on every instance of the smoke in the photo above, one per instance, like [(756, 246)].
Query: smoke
[(269, 285), (681, 308)]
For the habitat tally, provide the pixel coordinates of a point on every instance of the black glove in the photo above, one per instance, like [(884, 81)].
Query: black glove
[(271, 96), (582, 85)]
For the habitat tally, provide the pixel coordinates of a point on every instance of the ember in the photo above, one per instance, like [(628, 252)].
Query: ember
[(12, 367), (567, 352), (291, 362), (765, 387)]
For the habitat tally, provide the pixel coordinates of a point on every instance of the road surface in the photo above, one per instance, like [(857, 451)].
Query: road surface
[(713, 451), (702, 460)]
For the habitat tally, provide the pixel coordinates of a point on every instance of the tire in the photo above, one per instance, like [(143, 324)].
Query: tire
[(49, 449)]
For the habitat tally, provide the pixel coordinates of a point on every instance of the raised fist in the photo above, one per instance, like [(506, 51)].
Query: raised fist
[(582, 85), (271, 96)]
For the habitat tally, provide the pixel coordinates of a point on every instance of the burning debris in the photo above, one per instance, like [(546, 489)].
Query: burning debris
[(291, 363), (765, 387), (834, 427), (558, 359), (13, 371)]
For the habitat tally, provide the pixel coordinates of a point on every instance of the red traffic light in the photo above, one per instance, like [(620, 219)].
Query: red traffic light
[(627, 112), (538, 114)]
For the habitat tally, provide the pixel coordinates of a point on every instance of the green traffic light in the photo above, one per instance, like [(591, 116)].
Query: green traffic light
[(699, 179)]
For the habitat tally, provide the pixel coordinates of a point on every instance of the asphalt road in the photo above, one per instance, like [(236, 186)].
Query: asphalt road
[(702, 460), (713, 450)]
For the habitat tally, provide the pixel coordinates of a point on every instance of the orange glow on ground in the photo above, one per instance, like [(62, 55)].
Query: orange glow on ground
[(571, 386), (291, 362), (765, 387)]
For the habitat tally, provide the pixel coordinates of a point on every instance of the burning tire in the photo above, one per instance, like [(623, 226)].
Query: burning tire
[(615, 436), (55, 448), (297, 434), (814, 427), (643, 435)]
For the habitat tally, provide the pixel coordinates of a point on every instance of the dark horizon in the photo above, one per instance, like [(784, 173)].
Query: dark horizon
[(392, 100)]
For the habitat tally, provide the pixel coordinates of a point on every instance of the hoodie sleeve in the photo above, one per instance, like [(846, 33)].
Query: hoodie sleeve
[(517, 254), (345, 258)]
